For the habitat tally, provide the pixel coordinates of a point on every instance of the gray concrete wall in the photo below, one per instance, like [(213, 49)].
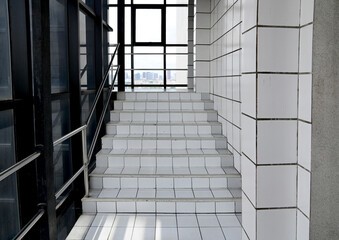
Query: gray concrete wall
[(325, 119)]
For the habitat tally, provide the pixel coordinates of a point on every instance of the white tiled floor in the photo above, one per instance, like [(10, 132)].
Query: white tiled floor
[(157, 227)]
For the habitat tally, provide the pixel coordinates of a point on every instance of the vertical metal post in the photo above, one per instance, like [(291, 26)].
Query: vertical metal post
[(85, 160)]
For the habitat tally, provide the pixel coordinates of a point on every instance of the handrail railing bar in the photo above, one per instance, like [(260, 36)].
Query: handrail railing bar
[(69, 182), (69, 135), (62, 201), (30, 224), (101, 87), (4, 174), (102, 116)]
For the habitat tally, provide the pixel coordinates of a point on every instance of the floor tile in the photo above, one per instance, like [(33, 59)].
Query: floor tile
[(208, 220), (189, 234), (187, 221), (143, 233), (121, 233)]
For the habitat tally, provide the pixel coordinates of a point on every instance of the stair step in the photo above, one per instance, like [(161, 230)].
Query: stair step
[(153, 96), (202, 200), (163, 105), (164, 116), (200, 128), (163, 142)]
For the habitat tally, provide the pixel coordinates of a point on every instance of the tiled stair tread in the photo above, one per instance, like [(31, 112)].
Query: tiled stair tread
[(164, 152), (169, 194), (116, 123), (169, 101), (135, 172), (165, 111), (164, 136)]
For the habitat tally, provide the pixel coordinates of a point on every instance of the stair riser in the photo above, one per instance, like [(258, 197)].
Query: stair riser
[(161, 182), (176, 162), (162, 207), (164, 129), (142, 96), (175, 106), (154, 117), (163, 144)]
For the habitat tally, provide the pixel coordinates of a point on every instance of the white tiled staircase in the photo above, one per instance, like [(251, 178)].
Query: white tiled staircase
[(164, 153)]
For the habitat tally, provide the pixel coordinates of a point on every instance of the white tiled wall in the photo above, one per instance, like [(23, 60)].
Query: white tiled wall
[(258, 71)]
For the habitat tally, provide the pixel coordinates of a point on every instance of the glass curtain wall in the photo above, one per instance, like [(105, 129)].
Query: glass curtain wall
[(156, 52)]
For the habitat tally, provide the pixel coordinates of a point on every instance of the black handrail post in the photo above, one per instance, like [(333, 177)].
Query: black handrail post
[(121, 40), (43, 112)]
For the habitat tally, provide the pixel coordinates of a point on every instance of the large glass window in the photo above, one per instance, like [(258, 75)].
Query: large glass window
[(148, 25), (87, 59), (59, 46), (176, 25), (9, 226), (5, 66)]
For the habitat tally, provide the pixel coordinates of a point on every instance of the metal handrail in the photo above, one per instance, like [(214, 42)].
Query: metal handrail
[(83, 130), (102, 84), (30, 224), (16, 167)]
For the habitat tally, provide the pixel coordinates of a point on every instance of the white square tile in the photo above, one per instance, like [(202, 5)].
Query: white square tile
[(182, 183), (189, 233), (304, 191), (278, 49), (205, 207), (248, 136), (124, 220), (249, 55), (143, 233), (304, 144), (103, 220), (98, 233), (306, 37), (277, 141), (106, 207), (111, 182), (305, 96), (166, 221), (249, 179), (121, 233), (249, 219), (145, 221), (146, 183), (77, 233), (200, 183), (166, 207), (185, 207), (127, 207), (276, 224), (166, 234), (212, 231), (275, 12), (306, 13), (303, 227), (248, 94), (277, 96), (164, 183), (276, 186)]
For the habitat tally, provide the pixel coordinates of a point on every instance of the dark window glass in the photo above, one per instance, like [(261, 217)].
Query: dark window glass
[(86, 51), (5, 66), (65, 222), (89, 3), (148, 25), (62, 154), (87, 100), (9, 212), (59, 46)]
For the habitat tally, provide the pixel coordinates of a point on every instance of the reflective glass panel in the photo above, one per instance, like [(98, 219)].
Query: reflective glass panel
[(176, 77), (87, 52), (9, 211), (5, 66), (148, 1), (148, 25), (176, 61), (177, 1), (177, 25), (149, 77), (62, 154), (148, 61), (59, 45)]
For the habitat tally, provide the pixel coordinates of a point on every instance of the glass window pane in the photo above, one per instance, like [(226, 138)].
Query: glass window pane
[(148, 25), (112, 22), (5, 66), (149, 77), (177, 25), (177, 1), (176, 77), (87, 99), (8, 187), (89, 3), (127, 25), (59, 46), (86, 52), (148, 62), (148, 50), (176, 50), (62, 154), (176, 61), (148, 1), (128, 77)]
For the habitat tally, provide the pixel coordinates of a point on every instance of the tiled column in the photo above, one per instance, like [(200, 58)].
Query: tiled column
[(201, 45), (274, 179)]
